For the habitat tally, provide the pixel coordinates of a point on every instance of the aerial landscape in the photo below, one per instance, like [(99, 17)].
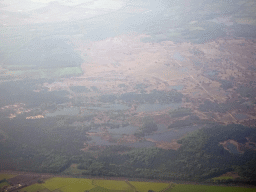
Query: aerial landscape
[(125, 95)]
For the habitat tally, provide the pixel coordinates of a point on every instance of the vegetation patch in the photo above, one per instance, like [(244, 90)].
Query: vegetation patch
[(4, 184), (221, 178), (207, 188), (33, 188), (6, 176), (78, 185), (100, 189), (181, 112), (146, 186), (112, 184), (68, 184), (56, 183)]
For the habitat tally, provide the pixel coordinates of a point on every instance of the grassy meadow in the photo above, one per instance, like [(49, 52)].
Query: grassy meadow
[(145, 186), (207, 188), (6, 176), (60, 184)]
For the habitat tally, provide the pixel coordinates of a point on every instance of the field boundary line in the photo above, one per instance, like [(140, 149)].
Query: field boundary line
[(128, 183), (171, 185)]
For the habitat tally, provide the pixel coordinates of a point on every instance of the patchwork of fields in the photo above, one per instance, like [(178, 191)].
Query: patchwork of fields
[(59, 184)]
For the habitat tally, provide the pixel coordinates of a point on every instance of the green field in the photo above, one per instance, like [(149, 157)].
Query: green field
[(222, 178), (6, 176), (207, 188), (59, 184), (35, 187), (112, 184), (145, 186), (68, 184), (4, 184)]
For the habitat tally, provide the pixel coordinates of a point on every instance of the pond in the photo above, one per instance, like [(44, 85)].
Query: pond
[(140, 144), (162, 128), (157, 107), (212, 73), (183, 69), (65, 111), (129, 130), (97, 140), (178, 56), (177, 87), (232, 148), (167, 136), (108, 107), (240, 116)]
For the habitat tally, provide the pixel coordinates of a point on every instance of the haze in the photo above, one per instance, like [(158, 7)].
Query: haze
[(130, 89)]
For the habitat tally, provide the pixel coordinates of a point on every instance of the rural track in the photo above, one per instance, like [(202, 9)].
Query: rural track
[(171, 185), (210, 95), (128, 183)]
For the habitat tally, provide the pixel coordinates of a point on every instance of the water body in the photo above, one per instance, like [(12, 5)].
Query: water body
[(183, 69), (240, 116), (162, 128), (97, 140), (65, 111), (178, 56), (177, 87), (141, 144), (212, 73), (157, 107), (129, 130), (172, 134), (232, 148), (109, 107)]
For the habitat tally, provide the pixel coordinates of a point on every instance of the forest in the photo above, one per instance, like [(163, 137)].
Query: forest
[(40, 146)]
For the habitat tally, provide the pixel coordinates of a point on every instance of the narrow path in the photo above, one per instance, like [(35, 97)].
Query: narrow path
[(210, 95), (171, 185), (128, 183)]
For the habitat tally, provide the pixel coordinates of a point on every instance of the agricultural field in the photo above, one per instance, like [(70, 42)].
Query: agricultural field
[(81, 185), (170, 97), (216, 179), (207, 188), (4, 184), (35, 187), (112, 184), (6, 176), (3, 178), (59, 184), (146, 186)]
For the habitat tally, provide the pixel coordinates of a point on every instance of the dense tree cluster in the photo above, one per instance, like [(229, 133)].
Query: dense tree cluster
[(42, 146)]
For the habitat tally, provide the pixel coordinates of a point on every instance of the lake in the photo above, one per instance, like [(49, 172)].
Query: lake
[(108, 107), (178, 56), (157, 107), (232, 148), (140, 144), (177, 87), (167, 136), (65, 111), (240, 116), (128, 130), (97, 140)]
